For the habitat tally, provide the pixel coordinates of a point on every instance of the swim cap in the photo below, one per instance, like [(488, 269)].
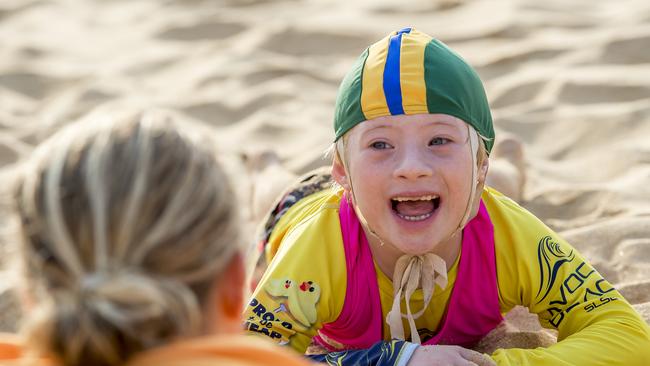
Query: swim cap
[(409, 72)]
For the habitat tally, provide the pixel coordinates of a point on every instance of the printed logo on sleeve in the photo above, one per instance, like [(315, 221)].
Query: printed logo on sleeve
[(551, 258)]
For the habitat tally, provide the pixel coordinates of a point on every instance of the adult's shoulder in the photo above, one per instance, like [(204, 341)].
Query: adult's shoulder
[(240, 350)]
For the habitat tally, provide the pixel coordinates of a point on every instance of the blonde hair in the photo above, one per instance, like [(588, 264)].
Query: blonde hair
[(124, 225)]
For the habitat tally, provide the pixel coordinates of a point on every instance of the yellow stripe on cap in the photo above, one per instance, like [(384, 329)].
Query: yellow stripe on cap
[(373, 100), (414, 89)]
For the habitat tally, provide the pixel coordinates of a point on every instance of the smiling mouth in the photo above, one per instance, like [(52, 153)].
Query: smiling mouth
[(415, 208)]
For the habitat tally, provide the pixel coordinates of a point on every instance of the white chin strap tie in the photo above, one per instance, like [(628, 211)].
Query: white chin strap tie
[(411, 272)]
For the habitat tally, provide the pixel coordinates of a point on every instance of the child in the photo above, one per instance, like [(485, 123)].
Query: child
[(411, 250), (129, 242)]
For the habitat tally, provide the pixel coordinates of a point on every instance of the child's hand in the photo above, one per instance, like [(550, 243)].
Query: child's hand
[(448, 355)]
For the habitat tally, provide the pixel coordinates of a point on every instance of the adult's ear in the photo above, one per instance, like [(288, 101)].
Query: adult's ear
[(226, 301), (339, 174)]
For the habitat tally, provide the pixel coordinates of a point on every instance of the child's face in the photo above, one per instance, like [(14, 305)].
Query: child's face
[(411, 176)]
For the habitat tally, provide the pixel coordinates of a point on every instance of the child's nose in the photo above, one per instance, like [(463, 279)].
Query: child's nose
[(412, 164)]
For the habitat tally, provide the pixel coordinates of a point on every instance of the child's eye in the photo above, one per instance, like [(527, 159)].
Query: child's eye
[(438, 141), (380, 145)]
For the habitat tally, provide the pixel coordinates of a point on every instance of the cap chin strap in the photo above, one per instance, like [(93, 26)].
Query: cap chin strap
[(413, 271), (473, 145), (423, 270)]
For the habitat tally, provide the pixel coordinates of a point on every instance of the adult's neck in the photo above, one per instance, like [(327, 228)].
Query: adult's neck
[(386, 254)]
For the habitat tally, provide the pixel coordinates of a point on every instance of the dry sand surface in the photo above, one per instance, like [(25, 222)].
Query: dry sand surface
[(570, 79)]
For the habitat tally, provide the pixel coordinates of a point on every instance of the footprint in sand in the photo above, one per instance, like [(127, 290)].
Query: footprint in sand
[(201, 31), (9, 8), (415, 7), (298, 43), (508, 64), (524, 92), (507, 171), (261, 76), (10, 150), (636, 292), (593, 93), (627, 51), (31, 84), (218, 114)]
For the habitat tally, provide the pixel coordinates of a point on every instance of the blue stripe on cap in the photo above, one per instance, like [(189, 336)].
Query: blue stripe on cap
[(392, 87)]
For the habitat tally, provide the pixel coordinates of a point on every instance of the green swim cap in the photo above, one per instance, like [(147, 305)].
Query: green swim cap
[(409, 72)]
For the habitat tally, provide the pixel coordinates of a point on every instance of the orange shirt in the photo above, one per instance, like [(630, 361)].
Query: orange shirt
[(9, 347), (238, 350), (11, 353), (221, 350)]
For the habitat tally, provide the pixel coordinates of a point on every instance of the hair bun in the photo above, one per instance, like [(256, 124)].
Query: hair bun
[(133, 300), (137, 310)]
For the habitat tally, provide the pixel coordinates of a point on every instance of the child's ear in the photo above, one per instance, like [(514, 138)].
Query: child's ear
[(339, 174), (482, 171)]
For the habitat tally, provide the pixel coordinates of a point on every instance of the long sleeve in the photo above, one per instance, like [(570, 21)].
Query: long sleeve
[(304, 285), (538, 269)]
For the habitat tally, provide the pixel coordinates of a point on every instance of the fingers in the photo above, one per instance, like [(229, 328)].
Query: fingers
[(465, 363), (476, 358), (484, 360), (448, 355)]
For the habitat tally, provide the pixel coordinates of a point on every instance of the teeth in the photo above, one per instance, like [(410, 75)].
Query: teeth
[(415, 218), (421, 198)]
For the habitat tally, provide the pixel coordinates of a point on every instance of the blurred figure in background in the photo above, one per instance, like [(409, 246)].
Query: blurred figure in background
[(129, 245)]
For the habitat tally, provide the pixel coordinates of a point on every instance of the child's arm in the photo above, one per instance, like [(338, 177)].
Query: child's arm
[(303, 287), (537, 269), (393, 353), (402, 353)]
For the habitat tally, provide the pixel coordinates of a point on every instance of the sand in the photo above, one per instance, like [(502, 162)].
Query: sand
[(569, 80)]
